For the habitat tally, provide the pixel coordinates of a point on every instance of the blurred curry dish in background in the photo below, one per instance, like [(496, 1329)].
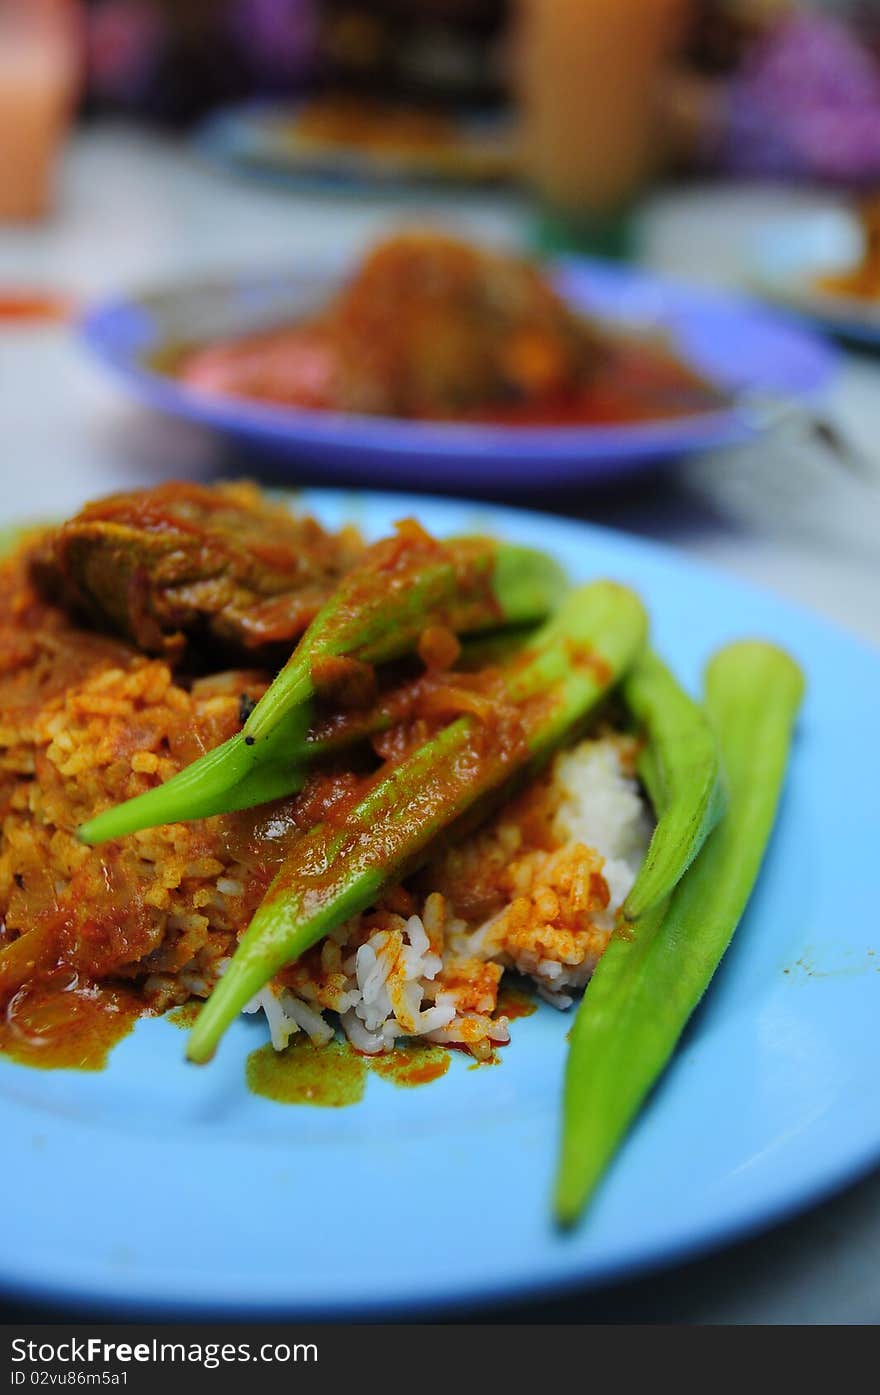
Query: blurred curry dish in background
[(862, 281), (369, 137), (432, 328)]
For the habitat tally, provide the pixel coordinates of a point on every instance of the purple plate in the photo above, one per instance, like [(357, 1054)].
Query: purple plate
[(742, 348)]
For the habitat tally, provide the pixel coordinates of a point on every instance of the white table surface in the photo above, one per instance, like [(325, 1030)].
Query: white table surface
[(135, 209)]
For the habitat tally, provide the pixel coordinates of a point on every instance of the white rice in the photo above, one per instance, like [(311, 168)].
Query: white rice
[(603, 808), (390, 991)]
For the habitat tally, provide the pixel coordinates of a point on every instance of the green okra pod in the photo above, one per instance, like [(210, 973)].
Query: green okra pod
[(332, 873), (652, 976), (378, 612), (682, 774)]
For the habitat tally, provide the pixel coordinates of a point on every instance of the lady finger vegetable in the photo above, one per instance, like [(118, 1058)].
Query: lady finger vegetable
[(649, 981), (379, 611), (275, 779), (681, 771), (334, 872)]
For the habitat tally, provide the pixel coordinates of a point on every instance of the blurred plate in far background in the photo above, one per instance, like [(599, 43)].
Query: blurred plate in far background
[(344, 142), (744, 350), (794, 254)]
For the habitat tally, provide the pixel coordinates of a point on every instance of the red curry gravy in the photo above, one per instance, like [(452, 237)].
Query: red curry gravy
[(639, 380)]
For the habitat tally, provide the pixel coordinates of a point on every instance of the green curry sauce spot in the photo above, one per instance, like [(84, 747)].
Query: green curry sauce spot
[(330, 1076), (335, 1075)]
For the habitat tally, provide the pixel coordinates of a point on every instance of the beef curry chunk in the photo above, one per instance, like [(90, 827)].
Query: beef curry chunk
[(183, 565), (431, 326)]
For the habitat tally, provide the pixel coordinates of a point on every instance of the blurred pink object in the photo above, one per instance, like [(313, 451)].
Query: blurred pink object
[(40, 59)]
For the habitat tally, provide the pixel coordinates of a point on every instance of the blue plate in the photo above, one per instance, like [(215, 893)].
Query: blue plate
[(741, 348), (157, 1184)]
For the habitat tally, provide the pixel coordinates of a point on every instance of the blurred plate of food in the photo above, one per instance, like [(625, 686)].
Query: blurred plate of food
[(440, 364), (826, 266), (292, 1173), (344, 139)]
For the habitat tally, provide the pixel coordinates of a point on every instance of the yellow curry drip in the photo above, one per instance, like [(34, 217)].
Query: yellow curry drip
[(330, 1076)]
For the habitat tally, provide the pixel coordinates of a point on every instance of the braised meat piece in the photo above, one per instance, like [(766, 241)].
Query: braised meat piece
[(429, 327), (183, 564), (434, 327)]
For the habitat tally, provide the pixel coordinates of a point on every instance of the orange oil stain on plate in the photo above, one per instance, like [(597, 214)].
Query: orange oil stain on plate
[(413, 1064)]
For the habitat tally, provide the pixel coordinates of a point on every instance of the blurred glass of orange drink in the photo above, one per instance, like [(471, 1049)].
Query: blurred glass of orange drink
[(589, 79)]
